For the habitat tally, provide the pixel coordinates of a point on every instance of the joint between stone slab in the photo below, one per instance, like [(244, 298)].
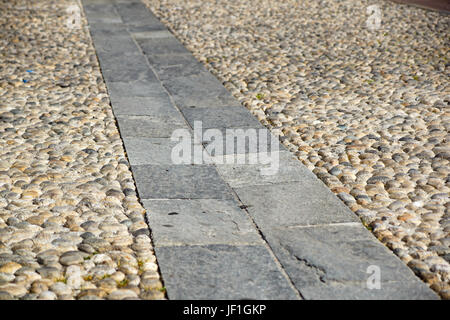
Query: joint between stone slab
[(337, 224)]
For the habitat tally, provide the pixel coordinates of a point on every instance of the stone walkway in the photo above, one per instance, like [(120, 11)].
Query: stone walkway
[(225, 230)]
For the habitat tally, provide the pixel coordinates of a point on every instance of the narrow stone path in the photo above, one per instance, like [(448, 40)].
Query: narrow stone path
[(226, 231)]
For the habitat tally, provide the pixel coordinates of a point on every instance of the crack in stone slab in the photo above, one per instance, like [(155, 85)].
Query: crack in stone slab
[(320, 272)]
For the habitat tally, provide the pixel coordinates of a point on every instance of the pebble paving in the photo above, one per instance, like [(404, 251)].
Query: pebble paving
[(71, 225), (366, 110)]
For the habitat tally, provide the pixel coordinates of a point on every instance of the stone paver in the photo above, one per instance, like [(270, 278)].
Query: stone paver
[(180, 182), (201, 214), (199, 222), (323, 260), (222, 272)]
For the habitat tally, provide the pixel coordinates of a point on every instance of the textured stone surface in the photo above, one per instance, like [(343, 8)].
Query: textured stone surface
[(135, 68), (199, 90), (238, 141), (136, 14), (199, 222), (101, 12), (295, 203), (221, 117), (180, 182), (148, 127), (325, 259), (119, 89), (157, 107), (222, 272), (166, 45), (263, 168), (149, 150), (171, 65)]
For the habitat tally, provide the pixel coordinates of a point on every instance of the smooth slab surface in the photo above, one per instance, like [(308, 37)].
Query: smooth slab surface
[(157, 107), (200, 90), (237, 141), (180, 182), (148, 127), (140, 88), (221, 117), (263, 168), (149, 150), (169, 66), (166, 45), (199, 222), (295, 203), (217, 272)]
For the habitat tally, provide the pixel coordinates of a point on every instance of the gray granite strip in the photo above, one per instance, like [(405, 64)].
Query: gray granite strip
[(203, 216)]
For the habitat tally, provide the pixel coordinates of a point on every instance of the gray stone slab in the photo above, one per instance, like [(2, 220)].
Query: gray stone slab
[(149, 150), (126, 67), (222, 272), (97, 2), (102, 28), (263, 169), (166, 45), (237, 141), (137, 14), (180, 182), (199, 222), (295, 203), (149, 127), (200, 90), (152, 34), (175, 65), (101, 12), (116, 42), (140, 88), (221, 117), (321, 260), (157, 107), (388, 291)]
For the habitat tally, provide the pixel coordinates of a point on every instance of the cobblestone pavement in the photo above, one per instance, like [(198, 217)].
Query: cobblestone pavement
[(71, 225), (365, 109)]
